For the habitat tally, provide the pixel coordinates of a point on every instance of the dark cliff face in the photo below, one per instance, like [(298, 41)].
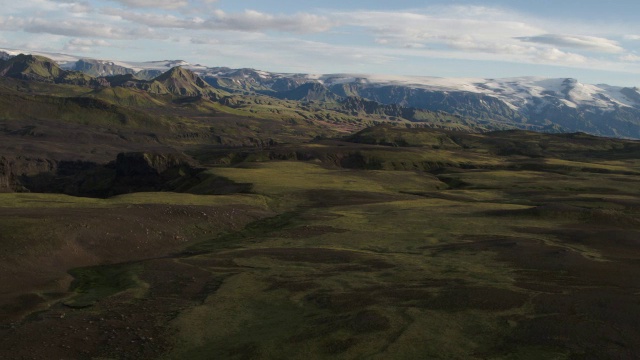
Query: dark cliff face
[(454, 102), (308, 92), (130, 172), (100, 68), (285, 84), (147, 170), (357, 104), (144, 164), (6, 176), (14, 170)]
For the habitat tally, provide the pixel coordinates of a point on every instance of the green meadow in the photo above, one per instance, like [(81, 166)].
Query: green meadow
[(393, 242)]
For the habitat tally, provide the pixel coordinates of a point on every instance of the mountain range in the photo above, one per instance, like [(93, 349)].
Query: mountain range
[(543, 104)]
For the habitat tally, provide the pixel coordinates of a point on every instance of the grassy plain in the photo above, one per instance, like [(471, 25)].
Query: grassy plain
[(390, 243), (451, 247)]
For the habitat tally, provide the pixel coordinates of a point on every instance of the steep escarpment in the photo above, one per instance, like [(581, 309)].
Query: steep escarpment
[(143, 171), (130, 172), (308, 92), (100, 68), (7, 177)]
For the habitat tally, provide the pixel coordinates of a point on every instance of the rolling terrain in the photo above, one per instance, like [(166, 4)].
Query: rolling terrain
[(194, 222)]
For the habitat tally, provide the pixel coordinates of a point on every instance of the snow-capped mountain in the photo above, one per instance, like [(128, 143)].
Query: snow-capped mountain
[(557, 103), (518, 93), (561, 103)]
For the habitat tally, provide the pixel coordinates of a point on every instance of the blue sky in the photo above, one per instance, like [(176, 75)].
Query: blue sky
[(594, 41)]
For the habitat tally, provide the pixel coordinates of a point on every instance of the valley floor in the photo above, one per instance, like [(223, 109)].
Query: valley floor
[(320, 262)]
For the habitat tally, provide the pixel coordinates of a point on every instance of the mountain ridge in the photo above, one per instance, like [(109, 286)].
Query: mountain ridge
[(175, 81), (39, 68), (524, 102)]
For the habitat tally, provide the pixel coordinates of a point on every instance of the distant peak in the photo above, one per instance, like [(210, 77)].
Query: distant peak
[(177, 72), (31, 58), (40, 65), (181, 81)]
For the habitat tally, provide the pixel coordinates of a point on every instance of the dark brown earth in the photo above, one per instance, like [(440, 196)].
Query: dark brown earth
[(92, 236)]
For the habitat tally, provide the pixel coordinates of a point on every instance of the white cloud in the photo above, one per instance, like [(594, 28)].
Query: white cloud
[(576, 41), (9, 7), (248, 21), (558, 56), (85, 45), (288, 54), (155, 20), (630, 58), (11, 23), (80, 8), (453, 21), (482, 33), (251, 20), (89, 42), (74, 6), (161, 4), (439, 26), (632, 37), (85, 28), (44, 42), (205, 41)]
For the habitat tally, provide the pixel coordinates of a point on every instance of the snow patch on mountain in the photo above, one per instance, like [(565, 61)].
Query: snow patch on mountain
[(518, 93), (61, 59)]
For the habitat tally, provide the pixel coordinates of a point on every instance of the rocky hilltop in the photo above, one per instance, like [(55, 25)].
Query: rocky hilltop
[(179, 81), (176, 81), (39, 68)]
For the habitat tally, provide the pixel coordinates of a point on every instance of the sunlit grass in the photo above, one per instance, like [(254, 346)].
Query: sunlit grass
[(39, 200)]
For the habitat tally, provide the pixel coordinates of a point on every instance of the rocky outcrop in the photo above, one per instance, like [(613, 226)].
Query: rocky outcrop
[(140, 171), (13, 171), (7, 178), (130, 172)]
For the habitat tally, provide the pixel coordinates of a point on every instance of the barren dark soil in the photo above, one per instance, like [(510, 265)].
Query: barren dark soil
[(44, 244)]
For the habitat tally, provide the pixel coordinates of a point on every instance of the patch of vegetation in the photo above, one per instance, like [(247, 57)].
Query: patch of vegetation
[(95, 283)]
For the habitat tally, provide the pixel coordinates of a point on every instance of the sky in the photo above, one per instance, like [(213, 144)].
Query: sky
[(593, 41)]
